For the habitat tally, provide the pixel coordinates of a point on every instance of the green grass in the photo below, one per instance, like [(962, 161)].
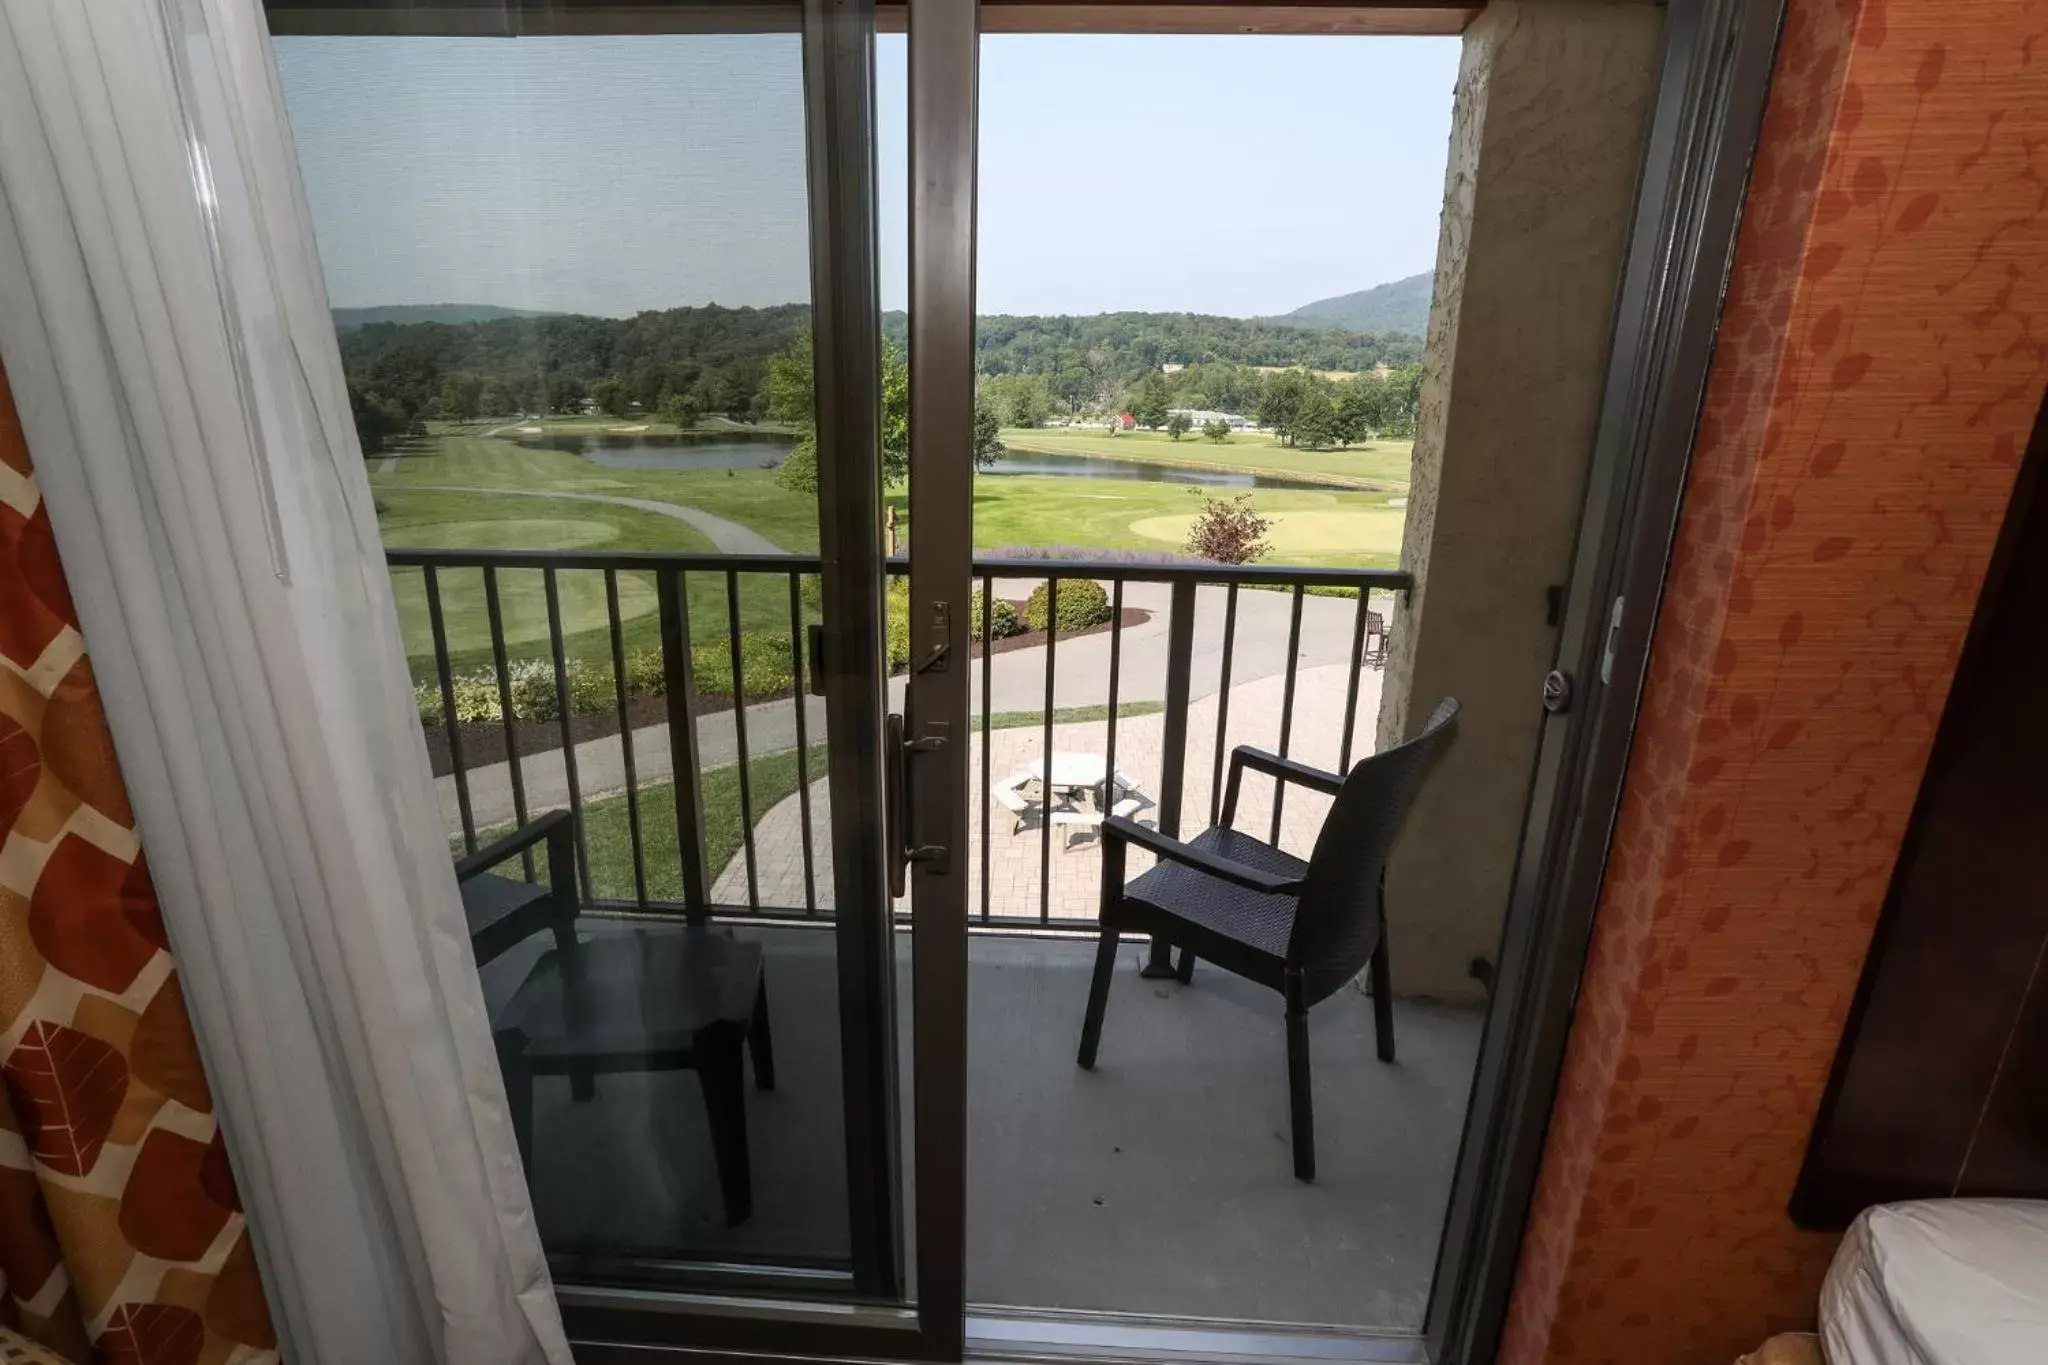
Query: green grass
[(1339, 527), (463, 521), (1381, 465), (750, 497)]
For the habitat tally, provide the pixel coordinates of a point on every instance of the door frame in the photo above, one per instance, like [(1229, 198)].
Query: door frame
[(1713, 80)]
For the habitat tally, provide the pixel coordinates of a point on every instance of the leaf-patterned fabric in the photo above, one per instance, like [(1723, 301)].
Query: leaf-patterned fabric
[(121, 1237)]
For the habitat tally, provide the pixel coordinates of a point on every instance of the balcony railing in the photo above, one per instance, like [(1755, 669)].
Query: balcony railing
[(758, 647)]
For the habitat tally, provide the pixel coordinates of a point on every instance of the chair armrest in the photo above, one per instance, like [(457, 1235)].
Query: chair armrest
[(527, 835), (1116, 827), (1281, 769)]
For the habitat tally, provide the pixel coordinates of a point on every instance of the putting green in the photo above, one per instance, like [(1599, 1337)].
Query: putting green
[(522, 593), (1360, 530)]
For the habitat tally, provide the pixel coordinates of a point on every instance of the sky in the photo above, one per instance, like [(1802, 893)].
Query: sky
[(1237, 175)]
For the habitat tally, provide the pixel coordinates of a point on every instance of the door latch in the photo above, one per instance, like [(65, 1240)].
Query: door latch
[(936, 659)]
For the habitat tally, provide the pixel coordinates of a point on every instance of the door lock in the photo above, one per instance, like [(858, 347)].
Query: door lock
[(1557, 691), (899, 815)]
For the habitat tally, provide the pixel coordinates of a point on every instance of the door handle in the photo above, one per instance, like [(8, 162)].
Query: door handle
[(899, 819)]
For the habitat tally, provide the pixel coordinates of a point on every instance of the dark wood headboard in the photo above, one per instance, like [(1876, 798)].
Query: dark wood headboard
[(1941, 1084)]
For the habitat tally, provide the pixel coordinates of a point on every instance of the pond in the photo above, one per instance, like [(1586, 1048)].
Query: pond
[(763, 450), (1043, 464), (712, 450)]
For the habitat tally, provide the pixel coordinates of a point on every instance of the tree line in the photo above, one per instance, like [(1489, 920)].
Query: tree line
[(683, 364)]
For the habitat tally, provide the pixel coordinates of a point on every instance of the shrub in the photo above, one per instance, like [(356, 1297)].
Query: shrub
[(644, 677), (1081, 603), (1228, 531), (1217, 431), (764, 665), (1006, 622)]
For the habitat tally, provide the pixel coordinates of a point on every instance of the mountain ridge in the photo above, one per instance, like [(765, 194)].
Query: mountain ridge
[(1397, 307)]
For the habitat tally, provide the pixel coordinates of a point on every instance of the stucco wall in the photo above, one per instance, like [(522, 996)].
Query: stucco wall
[(1546, 145)]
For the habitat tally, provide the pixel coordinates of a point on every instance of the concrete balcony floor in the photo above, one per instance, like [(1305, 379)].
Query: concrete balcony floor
[(1159, 1184)]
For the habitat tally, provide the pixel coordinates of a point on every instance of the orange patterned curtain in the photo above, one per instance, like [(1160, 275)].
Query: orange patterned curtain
[(121, 1237)]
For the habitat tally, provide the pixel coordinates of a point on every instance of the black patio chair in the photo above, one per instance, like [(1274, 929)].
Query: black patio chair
[(501, 911), (1301, 928)]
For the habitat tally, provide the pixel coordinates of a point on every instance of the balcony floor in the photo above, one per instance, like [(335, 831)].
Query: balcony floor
[(1159, 1184)]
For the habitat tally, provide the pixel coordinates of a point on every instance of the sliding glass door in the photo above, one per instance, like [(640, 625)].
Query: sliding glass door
[(607, 290)]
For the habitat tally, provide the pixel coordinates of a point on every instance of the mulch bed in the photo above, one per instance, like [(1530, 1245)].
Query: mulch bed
[(483, 741)]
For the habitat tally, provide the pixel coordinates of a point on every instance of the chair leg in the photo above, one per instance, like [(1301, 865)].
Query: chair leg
[(1301, 1110), (1184, 971), (1383, 998), (1098, 997), (760, 1042), (518, 1095), (720, 1072)]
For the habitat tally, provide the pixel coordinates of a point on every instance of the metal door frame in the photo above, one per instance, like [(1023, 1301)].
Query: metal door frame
[(1712, 84), (921, 1320)]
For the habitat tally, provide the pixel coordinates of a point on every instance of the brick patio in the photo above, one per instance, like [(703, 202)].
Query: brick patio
[(1015, 884)]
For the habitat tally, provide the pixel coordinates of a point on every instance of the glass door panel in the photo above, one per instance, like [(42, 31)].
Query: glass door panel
[(605, 288)]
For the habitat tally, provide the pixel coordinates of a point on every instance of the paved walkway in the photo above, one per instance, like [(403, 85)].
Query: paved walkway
[(728, 536), (1017, 683), (1017, 853)]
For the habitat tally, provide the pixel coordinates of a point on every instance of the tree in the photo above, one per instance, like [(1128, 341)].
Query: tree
[(1178, 423), (1314, 426), (1281, 401), (1228, 531), (1149, 405), (1355, 412), (565, 393), (461, 397), (785, 396), (988, 432), (495, 398), (678, 409), (1217, 430), (612, 396)]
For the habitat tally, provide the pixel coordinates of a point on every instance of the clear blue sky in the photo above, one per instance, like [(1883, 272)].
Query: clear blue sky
[(1234, 175)]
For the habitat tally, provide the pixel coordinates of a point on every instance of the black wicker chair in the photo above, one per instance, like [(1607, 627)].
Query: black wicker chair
[(1302, 928)]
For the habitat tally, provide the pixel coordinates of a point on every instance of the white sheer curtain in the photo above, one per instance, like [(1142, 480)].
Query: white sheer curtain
[(164, 326)]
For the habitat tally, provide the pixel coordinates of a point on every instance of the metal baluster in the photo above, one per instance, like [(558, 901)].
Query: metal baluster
[(1116, 649), (679, 683), (495, 616), (1052, 631), (1223, 704), (739, 731), (618, 637), (988, 668), (1351, 678), (568, 734), (803, 741), (1287, 706), (449, 726)]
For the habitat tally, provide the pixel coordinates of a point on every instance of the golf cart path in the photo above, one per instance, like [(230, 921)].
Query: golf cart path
[(728, 536)]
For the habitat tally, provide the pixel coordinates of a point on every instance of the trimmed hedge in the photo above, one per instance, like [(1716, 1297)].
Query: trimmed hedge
[(1082, 603)]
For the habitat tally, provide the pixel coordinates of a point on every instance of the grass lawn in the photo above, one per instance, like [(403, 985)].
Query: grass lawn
[(1381, 465), (1341, 528), (466, 521), (750, 497)]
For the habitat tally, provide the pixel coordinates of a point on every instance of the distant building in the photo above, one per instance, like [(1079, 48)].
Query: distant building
[(1124, 420), (1204, 416), (1172, 367)]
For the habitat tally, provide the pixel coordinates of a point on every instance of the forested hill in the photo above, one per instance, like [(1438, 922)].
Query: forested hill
[(1399, 306), (1125, 345), (714, 360)]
